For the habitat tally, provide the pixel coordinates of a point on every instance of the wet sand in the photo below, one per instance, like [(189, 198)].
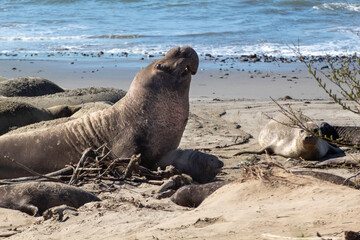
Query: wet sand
[(226, 79)]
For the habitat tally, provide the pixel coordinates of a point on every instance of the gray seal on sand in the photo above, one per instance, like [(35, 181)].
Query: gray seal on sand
[(150, 119), (18, 114), (34, 198), (193, 195), (28, 86), (202, 167), (281, 137)]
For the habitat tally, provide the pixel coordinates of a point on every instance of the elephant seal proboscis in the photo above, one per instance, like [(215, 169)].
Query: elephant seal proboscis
[(34, 198), (281, 137), (150, 119)]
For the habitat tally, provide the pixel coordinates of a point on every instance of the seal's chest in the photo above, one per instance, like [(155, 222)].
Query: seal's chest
[(168, 121)]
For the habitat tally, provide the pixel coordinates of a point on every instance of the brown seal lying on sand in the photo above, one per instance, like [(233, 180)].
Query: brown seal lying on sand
[(28, 86), (17, 114), (73, 97), (150, 120), (202, 167), (35, 197), (193, 195), (281, 137)]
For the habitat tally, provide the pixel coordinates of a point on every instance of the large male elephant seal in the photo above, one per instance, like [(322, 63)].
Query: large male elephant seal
[(282, 137), (150, 120), (35, 197)]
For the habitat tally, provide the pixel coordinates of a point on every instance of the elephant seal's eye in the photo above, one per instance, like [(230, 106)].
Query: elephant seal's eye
[(159, 67)]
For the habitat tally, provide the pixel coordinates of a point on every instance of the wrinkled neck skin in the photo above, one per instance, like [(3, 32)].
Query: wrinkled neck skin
[(157, 118)]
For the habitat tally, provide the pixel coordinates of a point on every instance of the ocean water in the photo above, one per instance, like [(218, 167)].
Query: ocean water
[(64, 28)]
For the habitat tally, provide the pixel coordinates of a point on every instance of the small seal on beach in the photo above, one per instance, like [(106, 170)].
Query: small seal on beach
[(202, 167), (34, 198), (281, 137), (194, 195), (150, 120)]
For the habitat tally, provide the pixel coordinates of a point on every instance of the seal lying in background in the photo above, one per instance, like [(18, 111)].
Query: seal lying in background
[(17, 114), (193, 195), (35, 197), (346, 135), (201, 166), (150, 120), (281, 137), (28, 86)]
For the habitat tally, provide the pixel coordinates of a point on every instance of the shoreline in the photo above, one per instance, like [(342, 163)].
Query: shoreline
[(215, 78)]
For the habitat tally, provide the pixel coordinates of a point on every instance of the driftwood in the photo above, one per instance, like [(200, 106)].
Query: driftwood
[(29, 170), (87, 153), (100, 164), (60, 175)]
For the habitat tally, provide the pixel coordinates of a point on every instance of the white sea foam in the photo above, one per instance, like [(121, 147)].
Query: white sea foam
[(354, 7), (41, 38), (346, 47)]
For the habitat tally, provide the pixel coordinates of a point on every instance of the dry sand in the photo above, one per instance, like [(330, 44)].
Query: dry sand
[(278, 205)]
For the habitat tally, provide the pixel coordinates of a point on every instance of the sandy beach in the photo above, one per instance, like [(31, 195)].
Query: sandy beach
[(216, 78), (228, 107)]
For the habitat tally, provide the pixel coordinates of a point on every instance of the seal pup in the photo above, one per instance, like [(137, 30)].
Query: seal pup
[(281, 137), (202, 167), (34, 198), (150, 119), (193, 195)]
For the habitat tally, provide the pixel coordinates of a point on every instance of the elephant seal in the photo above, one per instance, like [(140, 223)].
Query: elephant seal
[(150, 119), (281, 137), (202, 167), (34, 198), (28, 86), (346, 135), (193, 195), (17, 114), (62, 111), (73, 97)]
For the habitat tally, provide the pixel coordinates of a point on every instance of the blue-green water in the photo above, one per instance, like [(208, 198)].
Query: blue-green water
[(42, 28)]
